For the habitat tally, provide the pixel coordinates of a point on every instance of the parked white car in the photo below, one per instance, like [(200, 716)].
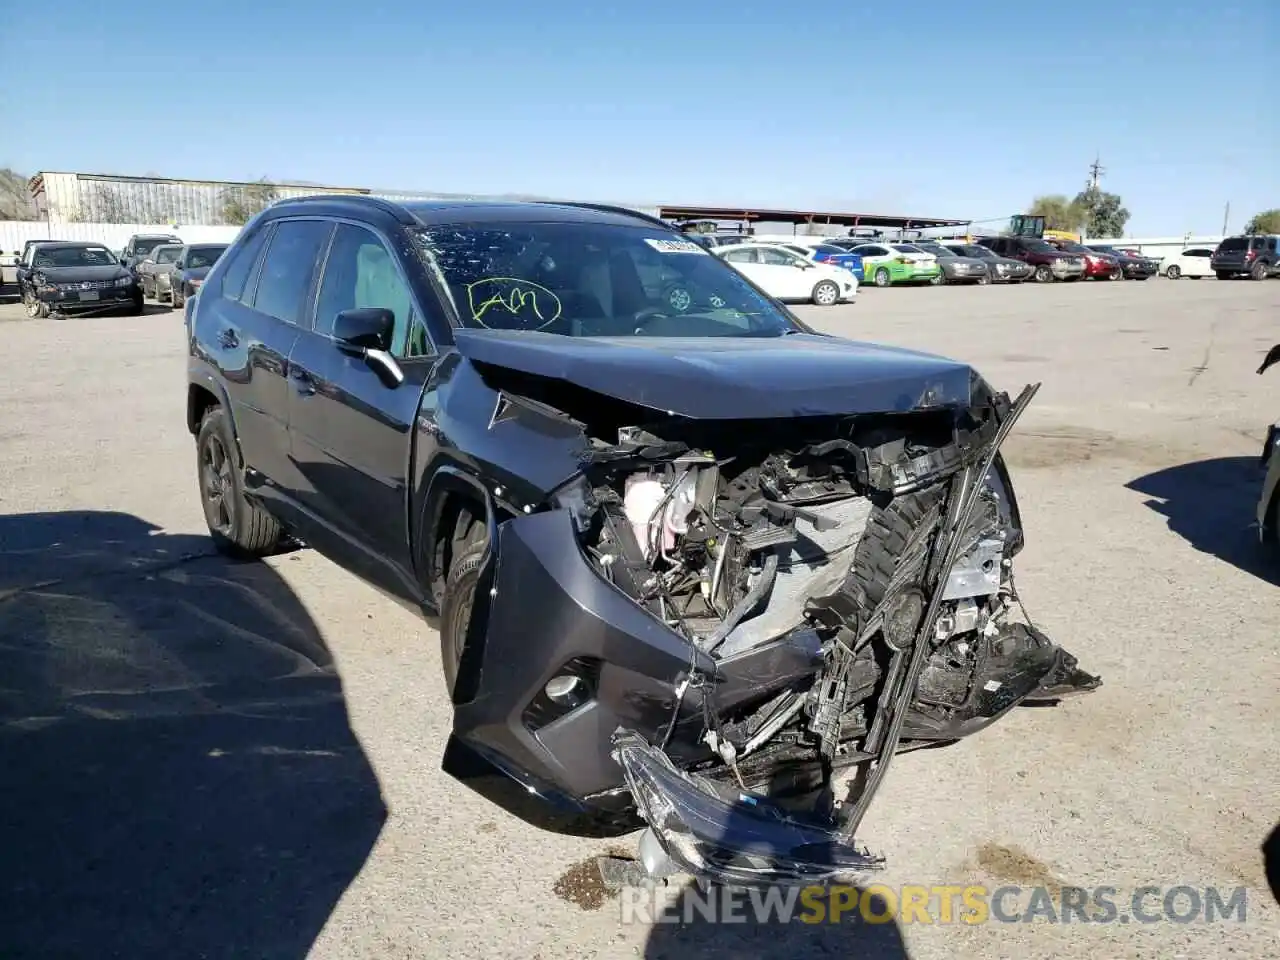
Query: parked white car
[(786, 275), (1191, 262)]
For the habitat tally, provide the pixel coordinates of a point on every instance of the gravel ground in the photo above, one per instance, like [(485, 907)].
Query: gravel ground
[(212, 760)]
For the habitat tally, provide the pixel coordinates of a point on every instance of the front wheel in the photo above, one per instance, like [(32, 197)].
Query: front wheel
[(1116, 274), (37, 309), (1043, 274), (984, 280), (238, 528), (938, 280), (882, 278), (1174, 272), (471, 545), (826, 293)]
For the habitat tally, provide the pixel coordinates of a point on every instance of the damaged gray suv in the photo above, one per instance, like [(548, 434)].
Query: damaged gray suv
[(690, 560)]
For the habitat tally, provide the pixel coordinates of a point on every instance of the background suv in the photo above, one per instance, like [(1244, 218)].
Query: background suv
[(1252, 255)]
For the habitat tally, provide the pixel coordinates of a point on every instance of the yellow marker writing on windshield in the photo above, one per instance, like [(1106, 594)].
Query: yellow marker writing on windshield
[(511, 295)]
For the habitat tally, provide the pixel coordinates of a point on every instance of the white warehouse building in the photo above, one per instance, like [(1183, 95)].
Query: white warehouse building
[(64, 198)]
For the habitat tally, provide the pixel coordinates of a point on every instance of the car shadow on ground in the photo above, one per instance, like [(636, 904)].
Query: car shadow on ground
[(1271, 862), (180, 777), (1211, 504)]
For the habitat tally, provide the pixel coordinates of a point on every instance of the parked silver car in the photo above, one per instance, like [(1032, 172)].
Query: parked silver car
[(1001, 269), (956, 267), (155, 272)]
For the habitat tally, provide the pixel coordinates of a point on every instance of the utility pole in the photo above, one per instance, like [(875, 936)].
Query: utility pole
[(1226, 215), (1096, 170)]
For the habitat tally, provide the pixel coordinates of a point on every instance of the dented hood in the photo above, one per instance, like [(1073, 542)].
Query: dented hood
[(727, 378)]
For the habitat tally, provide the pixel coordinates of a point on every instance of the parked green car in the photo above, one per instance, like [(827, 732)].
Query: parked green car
[(888, 263)]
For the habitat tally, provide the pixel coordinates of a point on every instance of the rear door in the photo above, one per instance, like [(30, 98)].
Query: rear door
[(350, 434), (251, 330)]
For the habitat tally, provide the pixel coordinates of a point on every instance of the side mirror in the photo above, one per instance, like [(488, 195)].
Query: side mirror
[(365, 332)]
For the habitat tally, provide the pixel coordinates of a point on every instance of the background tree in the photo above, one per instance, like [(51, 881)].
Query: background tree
[(1104, 215), (1268, 221), (241, 204), (1059, 213), (15, 198)]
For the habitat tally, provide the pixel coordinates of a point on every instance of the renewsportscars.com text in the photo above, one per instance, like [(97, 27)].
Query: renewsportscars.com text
[(936, 904)]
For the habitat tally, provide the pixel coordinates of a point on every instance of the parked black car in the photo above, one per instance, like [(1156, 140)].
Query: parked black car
[(1133, 268), (687, 556), (140, 245), (1252, 256), (77, 278), (193, 266)]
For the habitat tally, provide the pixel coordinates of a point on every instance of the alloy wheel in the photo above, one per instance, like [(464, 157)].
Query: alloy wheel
[(216, 485)]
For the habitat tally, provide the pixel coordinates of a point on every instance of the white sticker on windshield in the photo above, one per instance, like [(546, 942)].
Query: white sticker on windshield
[(675, 246)]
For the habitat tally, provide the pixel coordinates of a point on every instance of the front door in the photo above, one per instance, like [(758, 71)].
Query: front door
[(350, 433)]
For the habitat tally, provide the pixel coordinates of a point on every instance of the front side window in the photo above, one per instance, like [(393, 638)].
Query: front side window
[(742, 256), (593, 279), (288, 268), (360, 272), (167, 254), (777, 258)]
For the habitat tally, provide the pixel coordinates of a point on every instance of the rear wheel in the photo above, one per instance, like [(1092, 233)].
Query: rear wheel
[(826, 293), (1258, 271), (1224, 274), (1174, 272), (238, 528)]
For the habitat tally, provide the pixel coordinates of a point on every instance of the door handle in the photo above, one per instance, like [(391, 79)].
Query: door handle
[(303, 383), (229, 339)]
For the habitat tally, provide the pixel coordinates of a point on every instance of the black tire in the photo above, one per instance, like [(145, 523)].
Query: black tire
[(938, 281), (1173, 272), (1258, 271), (984, 280), (136, 307), (1116, 274), (881, 277), (179, 300), (883, 545), (1043, 273), (238, 528), (826, 293), (465, 570)]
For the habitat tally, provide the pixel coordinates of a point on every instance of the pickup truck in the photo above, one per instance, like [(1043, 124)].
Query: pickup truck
[(685, 554)]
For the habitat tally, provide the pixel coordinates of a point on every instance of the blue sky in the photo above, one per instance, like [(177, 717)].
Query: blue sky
[(953, 109)]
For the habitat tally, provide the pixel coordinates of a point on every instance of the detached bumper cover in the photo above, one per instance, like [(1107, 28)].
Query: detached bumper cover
[(730, 837)]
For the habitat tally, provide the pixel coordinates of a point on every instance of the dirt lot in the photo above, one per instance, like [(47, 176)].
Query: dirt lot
[(204, 759)]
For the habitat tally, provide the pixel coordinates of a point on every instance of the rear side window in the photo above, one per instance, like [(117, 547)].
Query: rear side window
[(289, 267), (242, 263)]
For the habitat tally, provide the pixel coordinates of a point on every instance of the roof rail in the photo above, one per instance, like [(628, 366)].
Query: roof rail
[(610, 208), (386, 206)]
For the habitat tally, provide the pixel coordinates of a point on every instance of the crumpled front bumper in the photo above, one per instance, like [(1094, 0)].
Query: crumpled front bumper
[(715, 832)]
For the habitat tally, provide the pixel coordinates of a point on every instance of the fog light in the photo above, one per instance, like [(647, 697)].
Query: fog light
[(566, 690)]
